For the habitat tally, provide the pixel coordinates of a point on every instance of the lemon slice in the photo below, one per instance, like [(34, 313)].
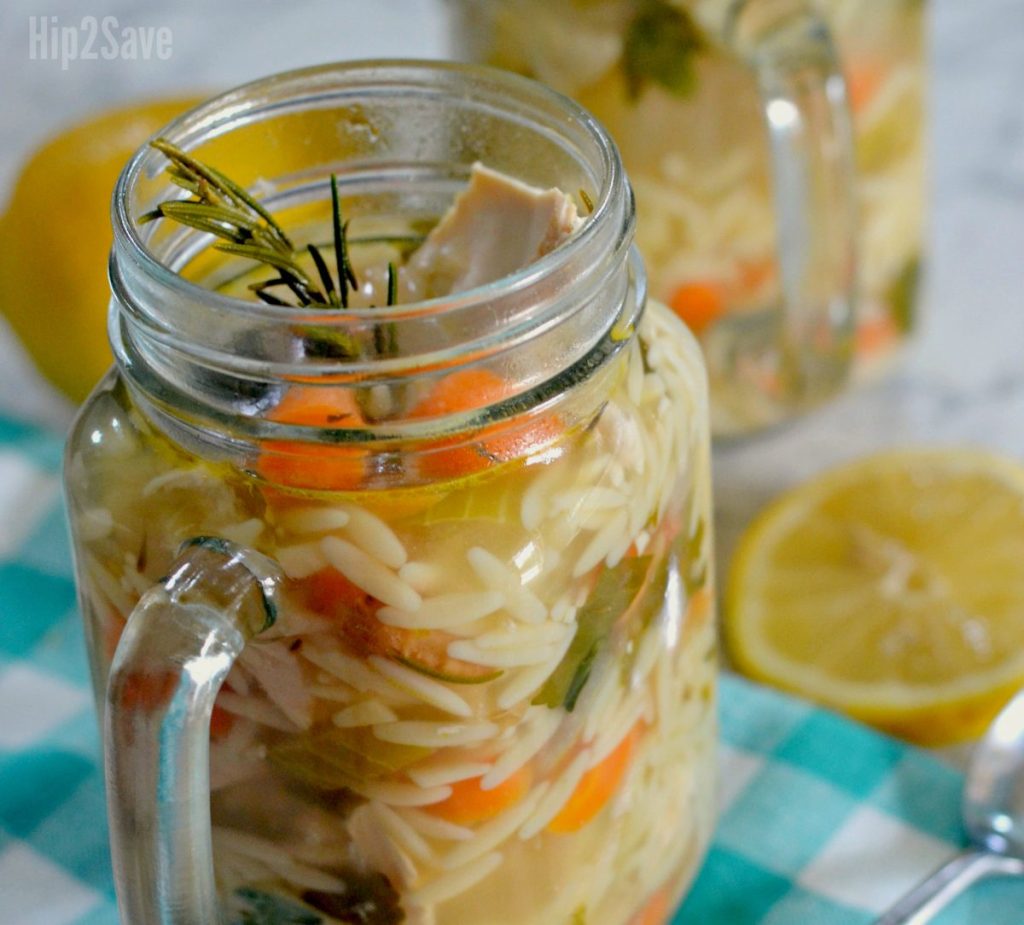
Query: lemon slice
[(891, 589)]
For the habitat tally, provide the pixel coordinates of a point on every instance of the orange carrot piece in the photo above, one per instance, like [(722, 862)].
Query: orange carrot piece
[(460, 391), (331, 594), (754, 274), (699, 305), (656, 912), (456, 457), (876, 335), (315, 466), (221, 722), (148, 690), (318, 407), (151, 690), (596, 788), (469, 804), (864, 78)]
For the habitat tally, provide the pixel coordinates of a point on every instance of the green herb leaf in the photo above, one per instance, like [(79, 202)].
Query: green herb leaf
[(902, 295), (615, 591), (659, 48), (224, 209), (267, 909), (234, 222), (264, 255), (693, 561), (473, 674), (209, 184), (647, 608), (346, 275), (323, 273), (392, 284), (330, 344), (242, 197), (338, 758), (270, 299)]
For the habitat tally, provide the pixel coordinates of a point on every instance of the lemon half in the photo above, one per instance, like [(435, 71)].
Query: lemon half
[(891, 589)]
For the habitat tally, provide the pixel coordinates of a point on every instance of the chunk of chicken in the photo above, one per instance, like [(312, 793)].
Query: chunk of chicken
[(495, 226)]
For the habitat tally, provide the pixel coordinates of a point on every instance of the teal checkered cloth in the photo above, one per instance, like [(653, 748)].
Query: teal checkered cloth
[(823, 822)]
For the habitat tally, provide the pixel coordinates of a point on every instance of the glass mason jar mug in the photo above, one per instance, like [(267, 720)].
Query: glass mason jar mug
[(427, 587), (780, 207)]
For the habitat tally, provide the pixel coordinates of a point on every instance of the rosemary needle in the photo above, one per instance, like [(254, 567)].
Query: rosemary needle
[(345, 274), (324, 273), (392, 285)]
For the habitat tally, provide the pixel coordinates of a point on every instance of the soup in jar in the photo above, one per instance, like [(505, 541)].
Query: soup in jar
[(687, 115), (488, 691)]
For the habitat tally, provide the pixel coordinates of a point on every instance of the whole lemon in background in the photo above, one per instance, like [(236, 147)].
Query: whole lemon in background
[(55, 239)]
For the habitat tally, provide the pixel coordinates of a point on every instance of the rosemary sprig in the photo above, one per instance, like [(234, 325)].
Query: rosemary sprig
[(215, 191), (221, 207)]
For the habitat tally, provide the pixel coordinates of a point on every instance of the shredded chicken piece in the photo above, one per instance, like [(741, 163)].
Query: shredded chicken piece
[(495, 226)]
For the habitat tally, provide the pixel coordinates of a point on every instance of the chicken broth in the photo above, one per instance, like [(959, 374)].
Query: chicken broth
[(489, 692)]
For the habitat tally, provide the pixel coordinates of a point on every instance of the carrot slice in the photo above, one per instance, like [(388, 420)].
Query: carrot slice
[(596, 788), (656, 912), (754, 274), (469, 804), (148, 690), (145, 690), (460, 391), (864, 78), (318, 407), (331, 594), (455, 457), (699, 305), (315, 466), (221, 722), (876, 335)]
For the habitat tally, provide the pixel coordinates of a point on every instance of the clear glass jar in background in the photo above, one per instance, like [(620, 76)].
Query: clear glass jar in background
[(467, 648), (721, 224)]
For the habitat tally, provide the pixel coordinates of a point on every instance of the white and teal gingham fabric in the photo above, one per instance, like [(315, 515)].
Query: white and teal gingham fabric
[(823, 822)]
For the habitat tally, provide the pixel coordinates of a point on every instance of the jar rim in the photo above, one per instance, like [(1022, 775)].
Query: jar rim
[(191, 348), (215, 115)]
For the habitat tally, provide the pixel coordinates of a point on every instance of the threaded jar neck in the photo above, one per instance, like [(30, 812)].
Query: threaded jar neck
[(401, 138)]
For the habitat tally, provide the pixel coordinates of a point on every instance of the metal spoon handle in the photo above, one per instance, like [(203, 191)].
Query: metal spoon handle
[(922, 903)]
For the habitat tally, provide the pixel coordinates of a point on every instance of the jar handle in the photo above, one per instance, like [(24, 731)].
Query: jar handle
[(790, 49), (178, 647)]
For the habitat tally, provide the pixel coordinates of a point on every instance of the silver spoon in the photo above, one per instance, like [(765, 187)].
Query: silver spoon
[(993, 813)]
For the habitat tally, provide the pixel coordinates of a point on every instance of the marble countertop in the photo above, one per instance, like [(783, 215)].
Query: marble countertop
[(963, 378)]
